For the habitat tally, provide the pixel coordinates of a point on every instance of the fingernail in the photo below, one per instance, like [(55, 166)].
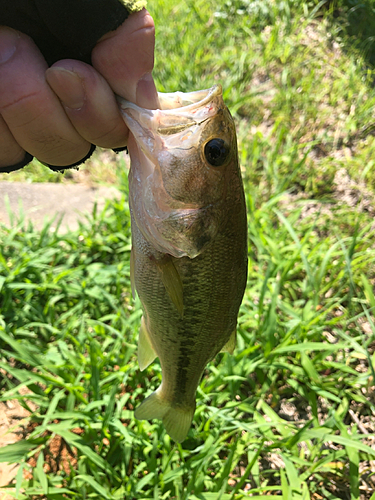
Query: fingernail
[(146, 95), (8, 43), (67, 85)]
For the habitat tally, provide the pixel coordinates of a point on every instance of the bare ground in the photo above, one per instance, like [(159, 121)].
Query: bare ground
[(41, 201), (12, 418)]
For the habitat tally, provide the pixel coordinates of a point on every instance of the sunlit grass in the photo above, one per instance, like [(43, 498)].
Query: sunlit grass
[(290, 415), (68, 334)]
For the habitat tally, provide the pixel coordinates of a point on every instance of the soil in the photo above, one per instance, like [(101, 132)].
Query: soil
[(12, 419), (41, 201)]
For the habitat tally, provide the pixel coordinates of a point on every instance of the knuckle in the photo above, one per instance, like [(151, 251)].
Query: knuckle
[(20, 110)]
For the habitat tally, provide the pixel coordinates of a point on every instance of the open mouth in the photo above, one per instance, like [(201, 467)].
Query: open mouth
[(175, 125), (178, 112), (175, 100)]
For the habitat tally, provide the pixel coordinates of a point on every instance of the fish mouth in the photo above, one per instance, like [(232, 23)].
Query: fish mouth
[(175, 125), (189, 101)]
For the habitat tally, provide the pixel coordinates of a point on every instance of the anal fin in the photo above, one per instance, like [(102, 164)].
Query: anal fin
[(231, 344), (172, 282), (176, 420), (146, 353)]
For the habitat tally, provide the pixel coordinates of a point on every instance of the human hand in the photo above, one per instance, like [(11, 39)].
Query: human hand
[(57, 113)]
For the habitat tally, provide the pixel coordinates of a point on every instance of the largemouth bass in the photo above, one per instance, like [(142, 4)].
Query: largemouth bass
[(189, 243)]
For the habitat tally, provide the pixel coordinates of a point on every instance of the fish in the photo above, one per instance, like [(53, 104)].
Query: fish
[(188, 261)]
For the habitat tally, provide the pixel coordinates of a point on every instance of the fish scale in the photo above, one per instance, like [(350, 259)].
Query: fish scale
[(189, 261)]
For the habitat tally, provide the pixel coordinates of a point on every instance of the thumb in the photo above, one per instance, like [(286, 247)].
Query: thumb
[(125, 58)]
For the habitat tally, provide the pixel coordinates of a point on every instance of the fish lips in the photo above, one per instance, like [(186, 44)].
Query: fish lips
[(179, 112)]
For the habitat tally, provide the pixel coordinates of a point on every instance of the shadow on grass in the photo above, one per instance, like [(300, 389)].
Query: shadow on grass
[(356, 19)]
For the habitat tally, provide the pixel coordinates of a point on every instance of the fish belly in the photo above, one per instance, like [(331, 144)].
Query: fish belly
[(185, 340)]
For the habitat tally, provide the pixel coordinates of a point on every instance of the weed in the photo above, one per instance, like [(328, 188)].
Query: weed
[(291, 414)]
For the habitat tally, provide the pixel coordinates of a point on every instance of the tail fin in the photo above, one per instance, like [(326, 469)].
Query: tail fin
[(177, 421)]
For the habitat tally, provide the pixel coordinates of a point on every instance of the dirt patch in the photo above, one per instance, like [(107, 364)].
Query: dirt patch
[(345, 191), (12, 420), (58, 455), (354, 194), (41, 201)]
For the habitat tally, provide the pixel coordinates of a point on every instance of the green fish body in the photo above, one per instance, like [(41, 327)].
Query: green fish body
[(189, 243)]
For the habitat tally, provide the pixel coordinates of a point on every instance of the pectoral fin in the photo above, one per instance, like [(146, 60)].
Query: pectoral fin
[(146, 353), (231, 344), (172, 282)]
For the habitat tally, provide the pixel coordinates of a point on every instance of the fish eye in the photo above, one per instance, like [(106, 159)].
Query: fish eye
[(216, 152)]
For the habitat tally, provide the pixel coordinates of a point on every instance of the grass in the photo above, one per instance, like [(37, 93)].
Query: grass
[(291, 414)]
